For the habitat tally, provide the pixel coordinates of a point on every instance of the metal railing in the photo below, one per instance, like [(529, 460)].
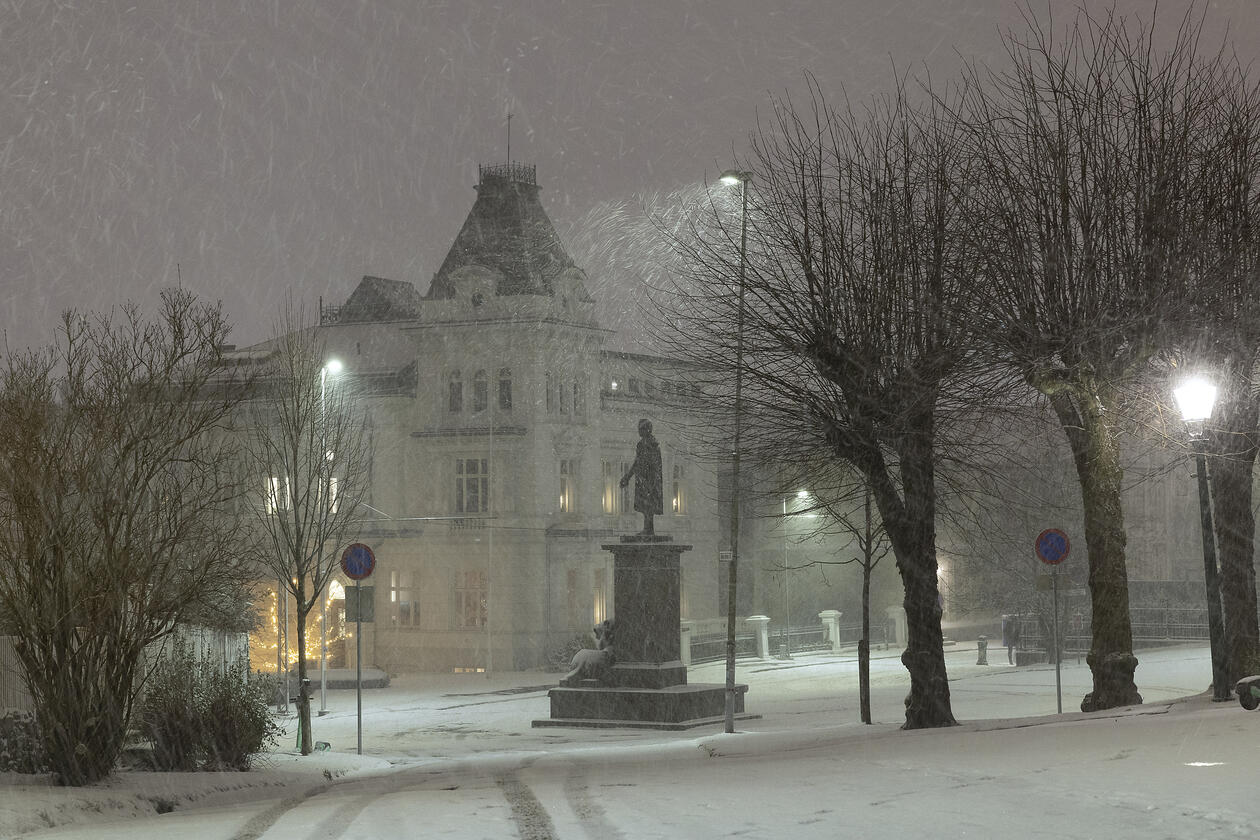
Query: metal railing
[(1151, 626), (521, 173), (710, 647)]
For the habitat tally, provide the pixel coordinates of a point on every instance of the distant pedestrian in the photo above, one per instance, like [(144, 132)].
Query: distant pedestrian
[(1010, 636)]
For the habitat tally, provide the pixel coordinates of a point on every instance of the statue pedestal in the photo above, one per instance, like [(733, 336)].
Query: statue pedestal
[(647, 687)]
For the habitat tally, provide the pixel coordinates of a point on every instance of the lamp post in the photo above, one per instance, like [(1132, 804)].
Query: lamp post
[(1195, 397), (731, 177), (331, 368), (787, 600)]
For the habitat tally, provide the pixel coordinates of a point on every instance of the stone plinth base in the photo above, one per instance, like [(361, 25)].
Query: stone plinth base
[(648, 674), (674, 707)]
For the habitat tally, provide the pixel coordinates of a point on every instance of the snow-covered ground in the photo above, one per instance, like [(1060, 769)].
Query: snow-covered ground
[(457, 756)]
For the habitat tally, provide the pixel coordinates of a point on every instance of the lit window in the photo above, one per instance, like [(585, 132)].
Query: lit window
[(276, 494), (455, 393), (568, 485), (481, 391), (599, 610), (332, 494), (470, 599), (505, 389), (472, 485), (611, 485), (405, 612), (680, 490)]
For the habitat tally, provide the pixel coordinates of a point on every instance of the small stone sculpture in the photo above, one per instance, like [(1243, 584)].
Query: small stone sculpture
[(646, 472), (590, 664)]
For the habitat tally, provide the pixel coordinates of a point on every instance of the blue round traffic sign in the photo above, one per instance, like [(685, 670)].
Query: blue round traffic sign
[(1052, 546), (357, 561)]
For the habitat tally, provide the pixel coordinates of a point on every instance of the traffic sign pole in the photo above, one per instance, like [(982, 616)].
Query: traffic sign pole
[(358, 561), (1052, 546), (358, 663), (1058, 655)]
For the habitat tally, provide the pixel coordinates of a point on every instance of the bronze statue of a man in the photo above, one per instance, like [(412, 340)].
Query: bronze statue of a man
[(646, 472)]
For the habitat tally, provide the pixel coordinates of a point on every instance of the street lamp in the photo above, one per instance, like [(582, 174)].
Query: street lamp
[(1195, 397), (731, 177), (331, 368), (787, 600)]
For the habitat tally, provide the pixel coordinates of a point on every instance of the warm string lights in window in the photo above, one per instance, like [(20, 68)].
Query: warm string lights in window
[(265, 643)]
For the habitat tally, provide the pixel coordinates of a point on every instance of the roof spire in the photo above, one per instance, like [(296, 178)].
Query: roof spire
[(508, 231)]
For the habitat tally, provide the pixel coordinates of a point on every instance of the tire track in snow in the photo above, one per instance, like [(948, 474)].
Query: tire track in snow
[(531, 818), (588, 809), (338, 822), (261, 822)]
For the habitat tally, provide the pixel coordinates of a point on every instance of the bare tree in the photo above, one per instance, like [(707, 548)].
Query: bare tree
[(119, 512), (309, 454), (1088, 217), (853, 517), (855, 280), (1228, 347)]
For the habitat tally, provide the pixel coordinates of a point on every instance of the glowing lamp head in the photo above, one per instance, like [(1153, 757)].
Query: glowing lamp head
[(333, 367), (731, 177), (1195, 398)]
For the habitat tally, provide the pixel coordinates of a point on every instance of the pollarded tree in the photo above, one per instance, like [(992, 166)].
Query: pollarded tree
[(309, 454), (849, 328), (1228, 348), (1088, 218), (119, 512)]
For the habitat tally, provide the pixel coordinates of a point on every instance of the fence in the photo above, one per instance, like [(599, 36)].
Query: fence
[(13, 691), (206, 645), (708, 644), (1151, 626)]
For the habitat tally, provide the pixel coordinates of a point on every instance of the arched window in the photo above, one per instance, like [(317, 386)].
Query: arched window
[(480, 391), (505, 389), (455, 393)]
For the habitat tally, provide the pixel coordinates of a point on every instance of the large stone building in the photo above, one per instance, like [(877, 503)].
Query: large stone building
[(502, 427), (503, 419)]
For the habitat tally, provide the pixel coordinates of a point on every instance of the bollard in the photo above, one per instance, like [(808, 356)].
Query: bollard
[(759, 623), (982, 650)]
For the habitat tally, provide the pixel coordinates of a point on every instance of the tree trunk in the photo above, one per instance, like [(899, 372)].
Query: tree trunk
[(304, 696), (864, 646), (1096, 454), (1235, 525), (911, 529)]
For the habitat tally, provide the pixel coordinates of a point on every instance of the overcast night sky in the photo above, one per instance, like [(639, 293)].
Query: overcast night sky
[(273, 147)]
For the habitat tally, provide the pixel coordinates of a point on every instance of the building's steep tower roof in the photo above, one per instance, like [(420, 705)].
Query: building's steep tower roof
[(508, 231)]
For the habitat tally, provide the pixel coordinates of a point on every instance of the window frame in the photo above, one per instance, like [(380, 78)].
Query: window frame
[(478, 479), (472, 599)]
